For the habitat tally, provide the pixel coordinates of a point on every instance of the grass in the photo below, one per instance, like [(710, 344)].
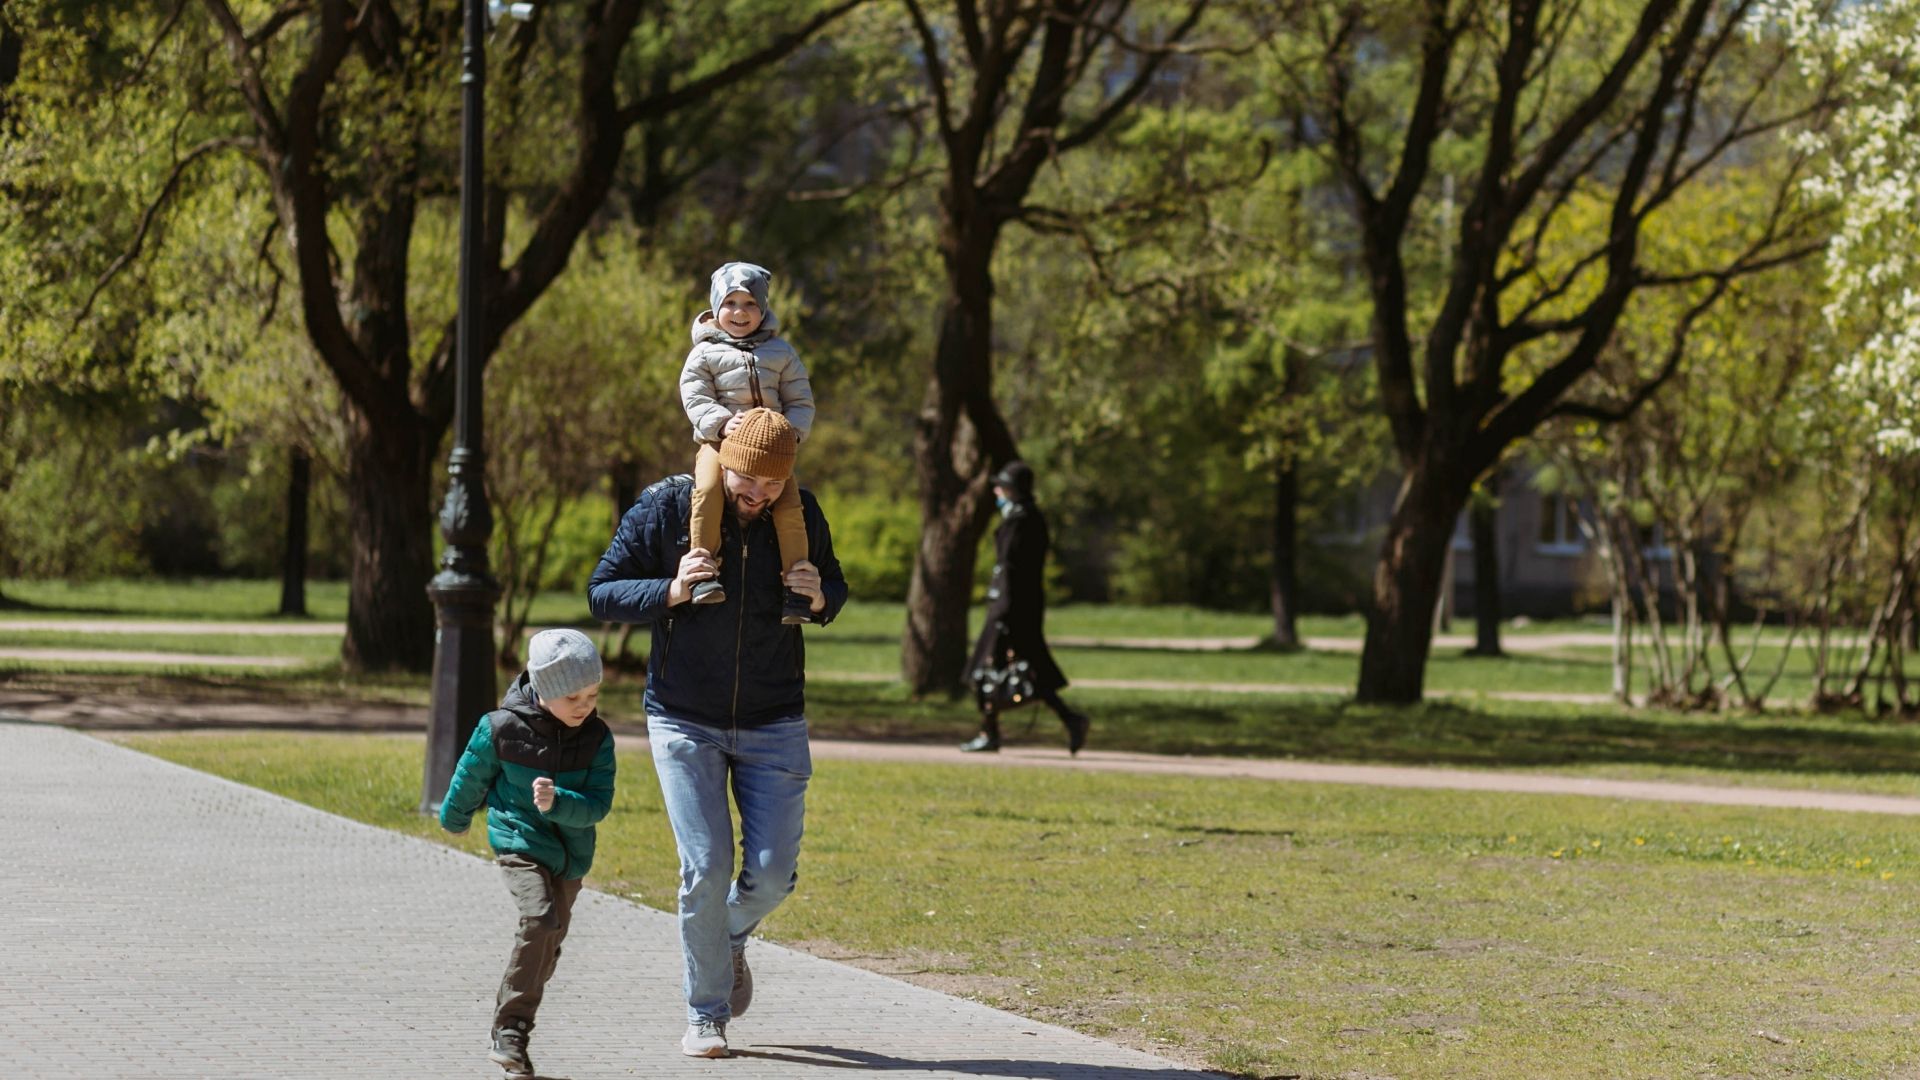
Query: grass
[(1776, 750), (866, 639), (319, 649), (1302, 930)]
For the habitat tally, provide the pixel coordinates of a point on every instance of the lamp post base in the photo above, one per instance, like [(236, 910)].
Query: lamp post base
[(464, 686)]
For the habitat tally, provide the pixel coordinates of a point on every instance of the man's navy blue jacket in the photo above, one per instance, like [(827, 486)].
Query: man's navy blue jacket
[(732, 664)]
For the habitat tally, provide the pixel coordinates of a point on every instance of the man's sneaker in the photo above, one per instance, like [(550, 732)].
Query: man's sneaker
[(510, 1049), (796, 609), (708, 592), (708, 1038), (742, 995)]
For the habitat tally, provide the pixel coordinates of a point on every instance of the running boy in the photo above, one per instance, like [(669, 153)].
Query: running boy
[(738, 363), (542, 763)]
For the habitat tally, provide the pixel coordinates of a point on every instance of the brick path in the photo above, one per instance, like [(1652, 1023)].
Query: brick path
[(156, 922)]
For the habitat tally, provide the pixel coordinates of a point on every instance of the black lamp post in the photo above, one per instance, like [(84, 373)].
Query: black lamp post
[(464, 591)]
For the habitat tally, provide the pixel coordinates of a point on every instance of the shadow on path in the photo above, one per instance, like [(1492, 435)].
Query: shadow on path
[(832, 1057)]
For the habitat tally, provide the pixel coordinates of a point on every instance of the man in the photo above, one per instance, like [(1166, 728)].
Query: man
[(725, 701)]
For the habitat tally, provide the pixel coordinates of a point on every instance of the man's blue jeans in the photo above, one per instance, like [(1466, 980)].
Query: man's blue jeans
[(767, 769)]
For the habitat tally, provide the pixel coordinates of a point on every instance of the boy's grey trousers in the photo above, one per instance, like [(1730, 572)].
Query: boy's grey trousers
[(545, 903)]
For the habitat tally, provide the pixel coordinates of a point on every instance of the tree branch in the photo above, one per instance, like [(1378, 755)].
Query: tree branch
[(283, 15), (147, 219), (937, 69), (1120, 103), (1574, 125), (967, 14), (1522, 412), (706, 86), (252, 84), (159, 38)]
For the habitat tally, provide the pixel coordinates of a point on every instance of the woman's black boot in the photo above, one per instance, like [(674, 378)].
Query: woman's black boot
[(1077, 725)]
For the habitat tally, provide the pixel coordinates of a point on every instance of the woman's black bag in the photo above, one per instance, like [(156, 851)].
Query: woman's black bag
[(1004, 687)]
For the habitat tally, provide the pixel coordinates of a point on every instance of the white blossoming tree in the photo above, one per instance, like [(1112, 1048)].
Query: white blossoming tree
[(1872, 174)]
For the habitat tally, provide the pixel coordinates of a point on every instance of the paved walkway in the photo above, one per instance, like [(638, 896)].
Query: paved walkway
[(160, 922)]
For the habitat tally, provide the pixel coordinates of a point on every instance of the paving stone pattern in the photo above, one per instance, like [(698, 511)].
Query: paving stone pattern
[(156, 922)]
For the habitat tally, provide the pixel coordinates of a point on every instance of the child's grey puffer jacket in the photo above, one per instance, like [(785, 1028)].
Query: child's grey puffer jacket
[(718, 378)]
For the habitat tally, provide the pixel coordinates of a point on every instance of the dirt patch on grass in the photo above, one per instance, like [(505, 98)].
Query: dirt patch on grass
[(940, 971), (932, 970)]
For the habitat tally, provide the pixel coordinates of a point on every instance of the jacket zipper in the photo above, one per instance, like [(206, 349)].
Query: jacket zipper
[(553, 827), (740, 631)]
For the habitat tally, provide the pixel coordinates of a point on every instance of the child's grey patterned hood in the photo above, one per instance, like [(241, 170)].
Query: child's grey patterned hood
[(740, 277)]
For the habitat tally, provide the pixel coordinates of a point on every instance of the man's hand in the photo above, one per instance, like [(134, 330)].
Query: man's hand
[(804, 579), (695, 566), (732, 422), (543, 793)]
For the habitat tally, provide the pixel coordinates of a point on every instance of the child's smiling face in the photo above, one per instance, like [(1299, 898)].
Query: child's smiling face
[(573, 709), (739, 313)]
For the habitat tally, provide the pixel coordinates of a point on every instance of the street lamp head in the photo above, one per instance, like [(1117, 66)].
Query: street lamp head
[(498, 8)]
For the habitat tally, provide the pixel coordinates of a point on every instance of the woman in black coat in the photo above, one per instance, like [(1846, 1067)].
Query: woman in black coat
[(1016, 608)]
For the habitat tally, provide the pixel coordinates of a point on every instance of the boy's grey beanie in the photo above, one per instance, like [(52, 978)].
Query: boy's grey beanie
[(561, 663), (741, 277)]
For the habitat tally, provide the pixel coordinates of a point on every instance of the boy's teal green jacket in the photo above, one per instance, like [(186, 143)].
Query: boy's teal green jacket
[(511, 746)]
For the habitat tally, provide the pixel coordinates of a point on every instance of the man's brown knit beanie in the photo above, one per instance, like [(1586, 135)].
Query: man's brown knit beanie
[(763, 446)]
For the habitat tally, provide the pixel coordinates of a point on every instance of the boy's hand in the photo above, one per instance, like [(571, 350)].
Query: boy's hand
[(543, 793), (804, 579), (732, 422), (696, 565)]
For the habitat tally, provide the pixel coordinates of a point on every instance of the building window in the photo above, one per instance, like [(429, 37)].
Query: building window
[(1560, 526)]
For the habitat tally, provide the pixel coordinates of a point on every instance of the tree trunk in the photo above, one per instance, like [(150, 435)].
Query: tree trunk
[(390, 620), (624, 476), (1285, 575), (1406, 584), (1483, 518), (293, 564), (934, 650), (958, 441)]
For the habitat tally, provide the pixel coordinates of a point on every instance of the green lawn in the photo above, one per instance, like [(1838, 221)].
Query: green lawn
[(1303, 930), (321, 649), (866, 638)]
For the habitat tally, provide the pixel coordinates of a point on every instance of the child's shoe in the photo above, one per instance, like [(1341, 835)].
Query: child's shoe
[(708, 592), (796, 610), (510, 1049)]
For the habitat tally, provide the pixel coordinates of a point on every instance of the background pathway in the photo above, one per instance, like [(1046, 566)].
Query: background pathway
[(158, 922), (132, 714)]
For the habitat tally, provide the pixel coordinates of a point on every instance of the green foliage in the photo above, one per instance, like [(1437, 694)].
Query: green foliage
[(874, 536), (73, 496)]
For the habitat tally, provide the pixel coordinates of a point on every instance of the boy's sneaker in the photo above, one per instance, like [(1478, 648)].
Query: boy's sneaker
[(708, 592), (742, 995), (707, 1039), (796, 610), (510, 1049)]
